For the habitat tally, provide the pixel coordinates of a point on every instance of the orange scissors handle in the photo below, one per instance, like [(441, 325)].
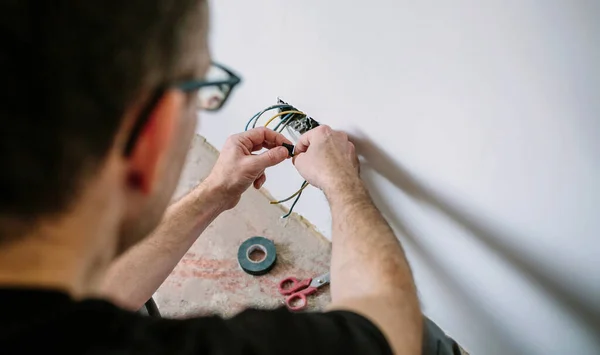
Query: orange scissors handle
[(292, 285), (297, 301)]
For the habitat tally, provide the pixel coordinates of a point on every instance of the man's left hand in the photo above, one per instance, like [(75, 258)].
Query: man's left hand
[(237, 168)]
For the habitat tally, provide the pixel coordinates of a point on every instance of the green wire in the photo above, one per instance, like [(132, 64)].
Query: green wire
[(283, 120), (295, 201), (292, 208), (257, 116)]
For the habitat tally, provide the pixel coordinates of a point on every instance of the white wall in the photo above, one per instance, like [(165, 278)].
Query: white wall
[(479, 122)]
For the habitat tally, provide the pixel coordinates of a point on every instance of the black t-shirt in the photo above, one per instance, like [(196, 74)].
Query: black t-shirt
[(48, 322)]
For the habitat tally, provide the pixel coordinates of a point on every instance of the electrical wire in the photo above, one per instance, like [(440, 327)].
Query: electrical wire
[(283, 127), (284, 119), (293, 205), (291, 133), (287, 114), (251, 119), (260, 113), (297, 194), (281, 114), (304, 185), (286, 125), (281, 107)]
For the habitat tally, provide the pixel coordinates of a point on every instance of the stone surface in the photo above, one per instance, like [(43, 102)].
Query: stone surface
[(208, 280)]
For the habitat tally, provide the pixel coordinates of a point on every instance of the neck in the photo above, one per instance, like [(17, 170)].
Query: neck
[(43, 262), (69, 254)]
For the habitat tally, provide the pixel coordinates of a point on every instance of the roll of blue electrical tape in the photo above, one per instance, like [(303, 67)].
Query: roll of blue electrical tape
[(259, 267)]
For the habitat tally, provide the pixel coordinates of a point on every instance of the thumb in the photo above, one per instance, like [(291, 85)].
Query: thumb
[(273, 156)]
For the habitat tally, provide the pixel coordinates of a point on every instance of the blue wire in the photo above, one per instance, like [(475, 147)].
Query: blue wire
[(295, 202), (286, 123), (293, 205), (284, 119), (248, 124), (257, 116)]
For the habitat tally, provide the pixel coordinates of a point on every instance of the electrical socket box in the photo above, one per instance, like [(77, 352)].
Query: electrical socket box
[(298, 123)]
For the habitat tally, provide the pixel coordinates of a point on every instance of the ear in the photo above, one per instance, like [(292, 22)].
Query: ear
[(154, 139)]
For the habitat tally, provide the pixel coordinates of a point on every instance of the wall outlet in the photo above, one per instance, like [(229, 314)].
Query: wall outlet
[(298, 123)]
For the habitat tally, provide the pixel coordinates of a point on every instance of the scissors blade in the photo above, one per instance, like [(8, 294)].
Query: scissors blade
[(320, 280)]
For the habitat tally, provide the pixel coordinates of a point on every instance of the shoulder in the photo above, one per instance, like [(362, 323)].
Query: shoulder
[(280, 331), (94, 325), (265, 332)]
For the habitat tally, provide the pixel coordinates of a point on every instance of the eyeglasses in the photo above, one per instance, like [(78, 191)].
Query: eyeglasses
[(213, 92)]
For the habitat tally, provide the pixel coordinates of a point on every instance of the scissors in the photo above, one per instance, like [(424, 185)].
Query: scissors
[(297, 290)]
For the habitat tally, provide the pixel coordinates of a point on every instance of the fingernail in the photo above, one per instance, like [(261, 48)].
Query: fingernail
[(281, 151)]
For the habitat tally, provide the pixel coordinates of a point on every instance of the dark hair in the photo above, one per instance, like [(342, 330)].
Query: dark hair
[(69, 71)]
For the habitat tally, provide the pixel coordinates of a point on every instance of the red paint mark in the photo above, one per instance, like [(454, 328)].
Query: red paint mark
[(206, 263), (212, 274), (228, 278)]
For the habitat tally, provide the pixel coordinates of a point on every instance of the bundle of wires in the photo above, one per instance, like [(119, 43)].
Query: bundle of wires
[(286, 114)]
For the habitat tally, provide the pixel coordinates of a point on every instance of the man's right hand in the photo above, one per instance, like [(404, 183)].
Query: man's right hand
[(326, 158), (369, 273)]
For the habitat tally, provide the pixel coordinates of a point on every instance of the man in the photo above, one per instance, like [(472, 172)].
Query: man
[(98, 111)]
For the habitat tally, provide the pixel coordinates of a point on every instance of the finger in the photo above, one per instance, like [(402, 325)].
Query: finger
[(296, 157), (257, 147), (267, 145), (351, 147), (271, 157), (258, 183), (270, 145), (258, 136), (305, 139)]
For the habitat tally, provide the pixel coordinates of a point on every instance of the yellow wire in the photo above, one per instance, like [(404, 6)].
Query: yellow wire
[(305, 185), (291, 197), (281, 114)]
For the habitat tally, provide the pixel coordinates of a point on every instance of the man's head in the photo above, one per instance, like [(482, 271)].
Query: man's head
[(78, 77)]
